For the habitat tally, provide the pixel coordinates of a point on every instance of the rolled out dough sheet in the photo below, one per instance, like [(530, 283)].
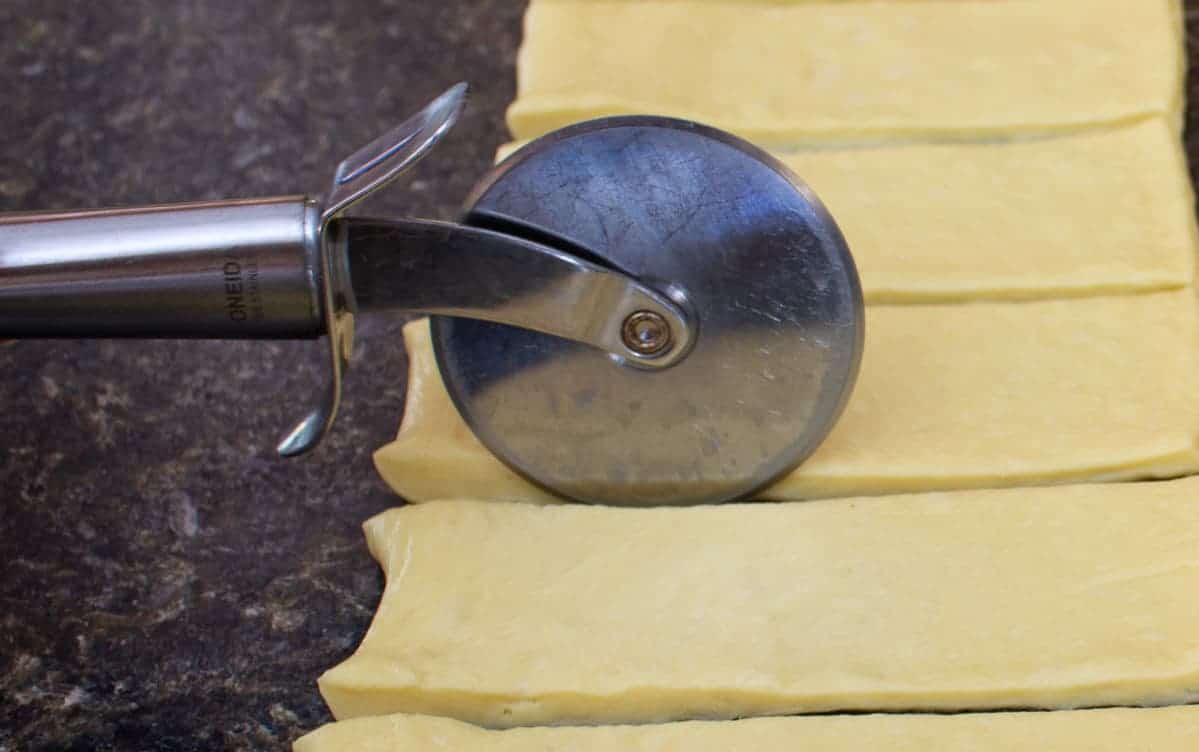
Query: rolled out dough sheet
[(949, 396), (1111, 730), (786, 73), (507, 614), (1097, 212)]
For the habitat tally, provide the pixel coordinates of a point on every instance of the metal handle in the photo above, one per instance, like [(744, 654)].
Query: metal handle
[(226, 269)]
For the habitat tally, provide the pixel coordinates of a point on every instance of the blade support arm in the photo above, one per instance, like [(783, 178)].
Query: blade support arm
[(444, 268)]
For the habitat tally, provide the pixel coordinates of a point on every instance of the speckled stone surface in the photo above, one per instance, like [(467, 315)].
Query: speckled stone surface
[(168, 584)]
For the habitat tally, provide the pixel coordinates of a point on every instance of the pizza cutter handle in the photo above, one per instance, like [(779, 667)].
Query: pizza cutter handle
[(223, 270)]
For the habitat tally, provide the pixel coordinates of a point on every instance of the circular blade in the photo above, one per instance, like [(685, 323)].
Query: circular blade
[(704, 217)]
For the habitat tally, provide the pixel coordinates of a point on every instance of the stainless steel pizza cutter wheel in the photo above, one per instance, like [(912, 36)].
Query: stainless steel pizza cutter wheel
[(633, 310)]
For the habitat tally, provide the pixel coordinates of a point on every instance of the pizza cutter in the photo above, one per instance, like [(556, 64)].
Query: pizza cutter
[(632, 310)]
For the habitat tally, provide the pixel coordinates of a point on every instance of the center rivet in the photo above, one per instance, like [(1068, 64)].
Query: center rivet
[(646, 333)]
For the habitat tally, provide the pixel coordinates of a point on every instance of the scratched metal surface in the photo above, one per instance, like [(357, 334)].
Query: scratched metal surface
[(167, 583)]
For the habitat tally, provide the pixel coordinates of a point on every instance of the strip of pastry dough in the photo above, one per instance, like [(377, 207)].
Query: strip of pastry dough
[(787, 73), (949, 396), (1100, 211), (1097, 212), (1110, 730), (515, 614)]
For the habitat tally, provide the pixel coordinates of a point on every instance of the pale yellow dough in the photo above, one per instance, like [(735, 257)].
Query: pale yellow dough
[(1111, 730), (786, 73), (1099, 212), (515, 614), (949, 396)]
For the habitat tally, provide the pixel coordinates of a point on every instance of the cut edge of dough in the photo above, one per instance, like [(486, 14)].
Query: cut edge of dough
[(532, 116), (345, 688), (799, 487), (962, 731)]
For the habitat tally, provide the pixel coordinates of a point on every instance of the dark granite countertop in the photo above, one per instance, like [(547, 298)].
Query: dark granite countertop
[(168, 583)]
